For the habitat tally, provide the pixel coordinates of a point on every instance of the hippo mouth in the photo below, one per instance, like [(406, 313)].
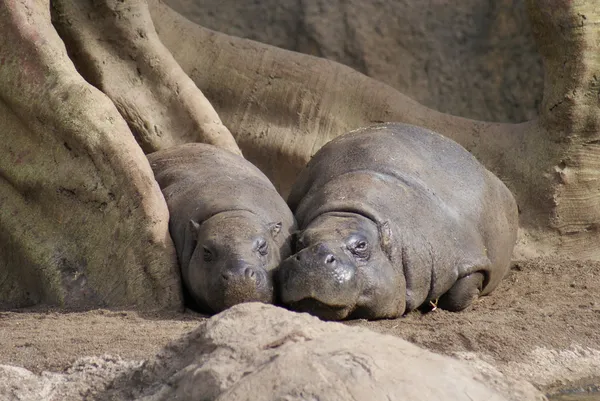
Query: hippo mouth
[(320, 309), (316, 281), (237, 289)]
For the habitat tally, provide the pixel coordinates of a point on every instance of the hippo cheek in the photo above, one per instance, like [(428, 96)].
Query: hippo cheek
[(320, 282), (197, 280), (384, 291), (240, 283)]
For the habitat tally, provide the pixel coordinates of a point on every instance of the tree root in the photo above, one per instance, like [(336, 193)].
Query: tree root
[(82, 221), (115, 48)]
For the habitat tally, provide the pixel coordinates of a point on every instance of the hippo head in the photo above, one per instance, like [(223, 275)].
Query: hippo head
[(342, 269), (233, 255)]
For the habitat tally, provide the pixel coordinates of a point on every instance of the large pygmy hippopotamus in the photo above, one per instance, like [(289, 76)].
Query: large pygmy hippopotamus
[(230, 227), (391, 217)]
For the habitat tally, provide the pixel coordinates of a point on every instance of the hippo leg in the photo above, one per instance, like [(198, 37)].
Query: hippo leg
[(462, 293)]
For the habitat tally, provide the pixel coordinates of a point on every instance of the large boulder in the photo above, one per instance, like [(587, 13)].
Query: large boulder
[(260, 352), (473, 58)]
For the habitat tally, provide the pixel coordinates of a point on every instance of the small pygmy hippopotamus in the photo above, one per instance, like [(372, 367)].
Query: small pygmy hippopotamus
[(393, 217), (230, 227)]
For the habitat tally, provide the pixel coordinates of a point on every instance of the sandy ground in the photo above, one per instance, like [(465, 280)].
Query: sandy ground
[(542, 324)]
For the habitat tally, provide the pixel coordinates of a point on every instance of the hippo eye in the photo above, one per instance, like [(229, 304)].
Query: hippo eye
[(208, 256), (263, 247), (360, 249)]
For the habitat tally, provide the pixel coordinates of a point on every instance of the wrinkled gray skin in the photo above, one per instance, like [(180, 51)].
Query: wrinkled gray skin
[(392, 217), (230, 227)]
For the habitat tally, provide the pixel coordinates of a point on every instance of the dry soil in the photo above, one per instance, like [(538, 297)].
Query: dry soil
[(542, 323)]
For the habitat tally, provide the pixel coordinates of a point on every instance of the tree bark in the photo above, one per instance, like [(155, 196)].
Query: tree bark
[(82, 221), (115, 47), (568, 38)]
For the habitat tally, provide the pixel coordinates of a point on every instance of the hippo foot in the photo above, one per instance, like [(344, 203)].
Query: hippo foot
[(462, 293)]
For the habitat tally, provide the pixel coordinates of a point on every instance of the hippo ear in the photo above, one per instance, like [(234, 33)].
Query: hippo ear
[(385, 238), (190, 239), (275, 228), (194, 226)]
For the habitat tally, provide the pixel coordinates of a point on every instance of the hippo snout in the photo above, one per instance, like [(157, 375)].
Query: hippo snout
[(319, 254), (320, 277), (244, 272), (242, 282)]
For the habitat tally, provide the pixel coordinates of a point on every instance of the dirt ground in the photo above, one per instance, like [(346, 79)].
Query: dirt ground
[(542, 324)]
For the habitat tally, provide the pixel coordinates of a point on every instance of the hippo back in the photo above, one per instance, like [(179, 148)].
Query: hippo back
[(446, 212), (200, 180)]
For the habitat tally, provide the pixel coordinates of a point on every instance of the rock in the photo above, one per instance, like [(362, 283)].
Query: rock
[(261, 352), (86, 378), (19, 384), (474, 58)]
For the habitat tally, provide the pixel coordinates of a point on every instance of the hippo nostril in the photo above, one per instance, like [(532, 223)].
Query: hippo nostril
[(249, 273), (297, 257), (226, 275), (329, 259)]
